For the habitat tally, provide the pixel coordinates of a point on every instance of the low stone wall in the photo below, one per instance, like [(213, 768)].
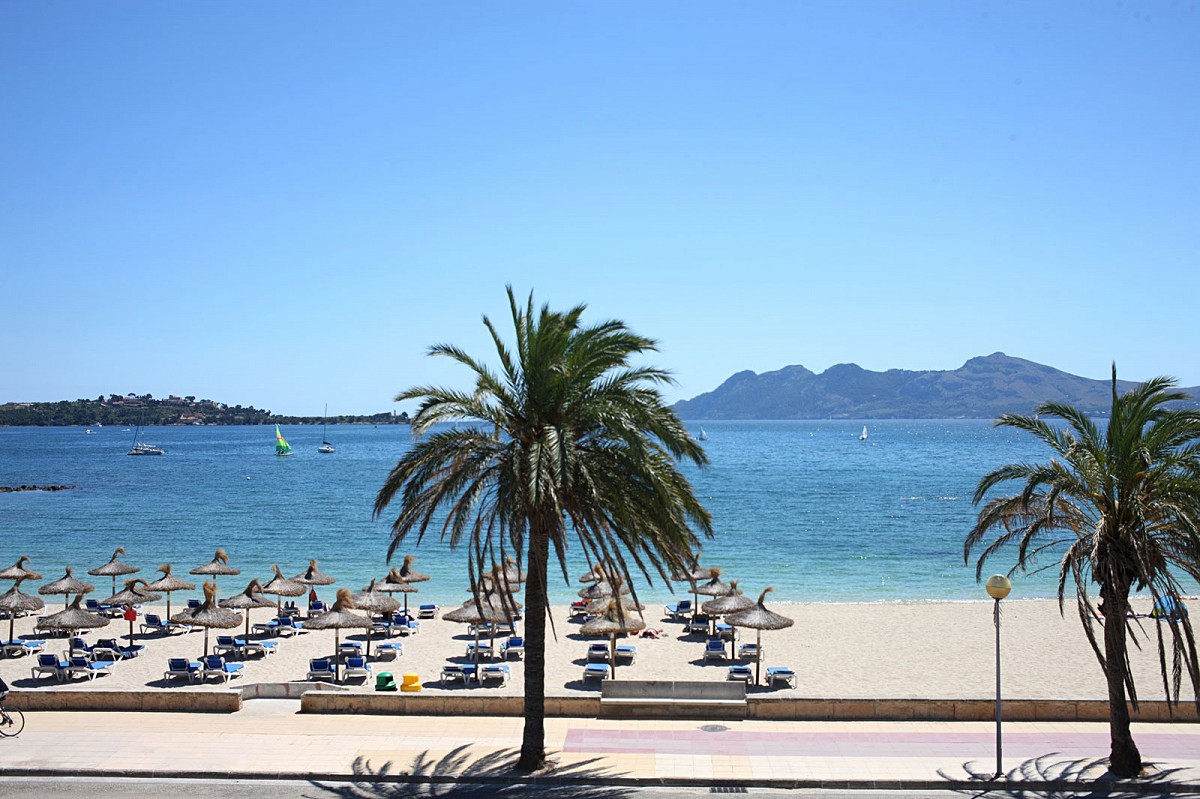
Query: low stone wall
[(322, 698), (399, 704), (174, 701)]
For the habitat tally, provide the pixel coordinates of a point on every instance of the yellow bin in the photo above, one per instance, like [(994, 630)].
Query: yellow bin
[(411, 682)]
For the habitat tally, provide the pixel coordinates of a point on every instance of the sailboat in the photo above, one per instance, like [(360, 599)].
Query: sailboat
[(282, 448), (325, 447), (140, 448), (863, 437), (703, 435)]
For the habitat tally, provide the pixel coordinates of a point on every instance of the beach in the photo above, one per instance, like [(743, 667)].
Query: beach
[(935, 650)]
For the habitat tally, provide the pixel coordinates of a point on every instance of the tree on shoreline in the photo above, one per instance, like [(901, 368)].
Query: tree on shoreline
[(1123, 506), (569, 441)]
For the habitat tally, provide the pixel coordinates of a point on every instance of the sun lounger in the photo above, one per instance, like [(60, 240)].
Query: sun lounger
[(215, 666), (226, 645), (109, 649), (19, 647), (627, 652), (482, 648), (749, 651), (428, 612), (152, 623), (740, 671), (350, 647), (513, 646), (357, 666), (678, 609), (578, 608), (182, 667), (596, 671), (714, 650), (79, 648), (289, 626), (389, 650), (495, 671), (781, 674), (50, 664), (320, 669), (317, 608), (264, 648), (412, 627), (597, 653), (454, 671), (698, 624), (724, 631), (81, 665)]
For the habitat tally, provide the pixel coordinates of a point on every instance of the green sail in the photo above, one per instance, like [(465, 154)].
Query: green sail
[(281, 445)]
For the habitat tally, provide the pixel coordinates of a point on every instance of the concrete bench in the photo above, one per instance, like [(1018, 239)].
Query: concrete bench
[(671, 698)]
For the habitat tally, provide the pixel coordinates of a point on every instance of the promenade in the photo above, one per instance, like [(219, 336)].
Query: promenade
[(269, 739)]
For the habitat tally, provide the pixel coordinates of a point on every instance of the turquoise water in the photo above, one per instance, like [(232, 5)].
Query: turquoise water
[(803, 506)]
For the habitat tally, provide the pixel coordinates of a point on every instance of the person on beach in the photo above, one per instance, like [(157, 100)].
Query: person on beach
[(3, 690)]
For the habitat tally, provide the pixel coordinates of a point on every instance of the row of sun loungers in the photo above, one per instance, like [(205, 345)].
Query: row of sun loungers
[(210, 666)]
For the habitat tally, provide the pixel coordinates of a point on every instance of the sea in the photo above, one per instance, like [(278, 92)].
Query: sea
[(803, 506)]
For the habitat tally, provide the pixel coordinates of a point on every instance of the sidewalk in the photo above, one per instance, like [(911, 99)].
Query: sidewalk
[(269, 740)]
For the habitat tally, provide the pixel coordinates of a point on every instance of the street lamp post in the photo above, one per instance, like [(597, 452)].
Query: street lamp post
[(998, 587)]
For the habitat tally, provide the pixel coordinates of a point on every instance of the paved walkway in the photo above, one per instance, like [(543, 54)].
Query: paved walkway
[(269, 739)]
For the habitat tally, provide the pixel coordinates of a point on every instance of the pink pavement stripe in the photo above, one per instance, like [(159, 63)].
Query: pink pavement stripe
[(1154, 746)]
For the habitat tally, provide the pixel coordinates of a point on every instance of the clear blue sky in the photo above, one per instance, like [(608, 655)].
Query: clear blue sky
[(285, 203)]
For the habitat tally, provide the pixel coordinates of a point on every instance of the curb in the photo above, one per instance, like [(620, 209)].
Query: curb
[(1042, 786)]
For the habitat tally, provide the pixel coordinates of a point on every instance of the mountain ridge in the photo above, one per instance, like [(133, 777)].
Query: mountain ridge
[(983, 387)]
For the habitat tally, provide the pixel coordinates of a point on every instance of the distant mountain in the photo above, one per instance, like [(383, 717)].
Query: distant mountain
[(982, 388)]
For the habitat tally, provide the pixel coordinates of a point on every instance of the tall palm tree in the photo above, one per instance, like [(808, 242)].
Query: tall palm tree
[(1121, 505), (568, 441)]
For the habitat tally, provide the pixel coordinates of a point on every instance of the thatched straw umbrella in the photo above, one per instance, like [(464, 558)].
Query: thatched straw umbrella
[(114, 568), (72, 618), (218, 565), (338, 617), (14, 602), (759, 618), (602, 590), (410, 575), (208, 615), (488, 609), (628, 604), (395, 583), (612, 622), (168, 583), (280, 586), (247, 600), (132, 596), (313, 576), (372, 601), (66, 585), (732, 602), (17, 571)]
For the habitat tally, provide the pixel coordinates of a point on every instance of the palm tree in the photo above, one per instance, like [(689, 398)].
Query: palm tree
[(1121, 505), (568, 441)]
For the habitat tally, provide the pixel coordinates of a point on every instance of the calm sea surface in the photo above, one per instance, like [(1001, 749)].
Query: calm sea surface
[(803, 506)]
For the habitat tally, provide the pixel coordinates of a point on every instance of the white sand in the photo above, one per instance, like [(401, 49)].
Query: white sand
[(924, 650)]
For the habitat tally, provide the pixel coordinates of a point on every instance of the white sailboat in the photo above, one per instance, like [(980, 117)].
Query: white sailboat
[(703, 435), (325, 447), (863, 437), (140, 448)]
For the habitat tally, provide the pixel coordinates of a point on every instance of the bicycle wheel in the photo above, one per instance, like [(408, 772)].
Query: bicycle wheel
[(14, 725)]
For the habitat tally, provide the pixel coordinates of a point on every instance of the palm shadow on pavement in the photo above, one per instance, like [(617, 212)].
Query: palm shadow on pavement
[(454, 775), (1045, 777)]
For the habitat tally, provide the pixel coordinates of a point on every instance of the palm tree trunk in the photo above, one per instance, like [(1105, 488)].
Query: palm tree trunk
[(1124, 759), (533, 741)]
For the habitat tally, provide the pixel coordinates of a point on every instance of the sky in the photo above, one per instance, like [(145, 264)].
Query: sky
[(285, 204)]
